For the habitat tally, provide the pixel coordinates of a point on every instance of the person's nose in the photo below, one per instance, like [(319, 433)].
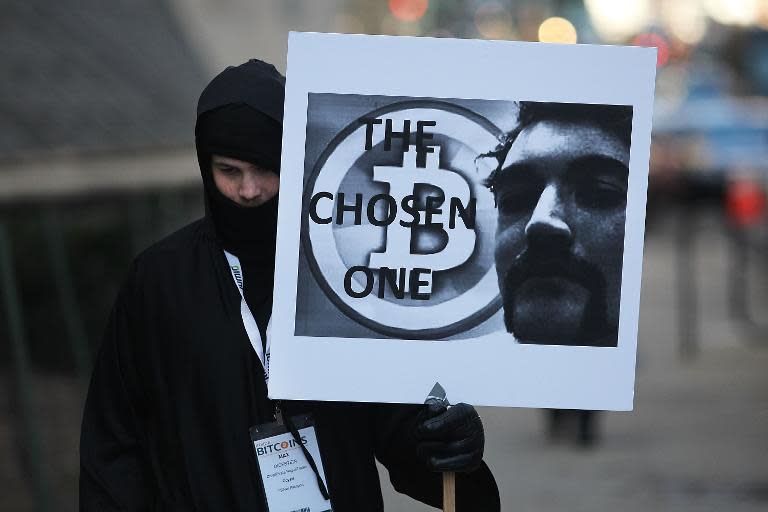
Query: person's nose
[(250, 187), (547, 225)]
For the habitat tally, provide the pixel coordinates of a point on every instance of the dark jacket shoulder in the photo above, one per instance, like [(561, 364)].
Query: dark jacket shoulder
[(169, 264), (178, 242)]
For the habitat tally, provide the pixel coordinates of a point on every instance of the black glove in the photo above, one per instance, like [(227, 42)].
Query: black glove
[(449, 438)]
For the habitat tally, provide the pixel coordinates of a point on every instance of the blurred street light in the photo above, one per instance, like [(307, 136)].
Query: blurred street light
[(408, 10), (733, 12), (685, 19), (615, 21), (762, 15), (651, 39), (557, 30), (494, 21)]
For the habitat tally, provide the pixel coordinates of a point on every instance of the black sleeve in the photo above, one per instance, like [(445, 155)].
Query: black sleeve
[(113, 472), (395, 427)]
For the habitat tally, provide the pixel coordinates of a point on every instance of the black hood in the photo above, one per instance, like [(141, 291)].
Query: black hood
[(255, 83), (240, 115)]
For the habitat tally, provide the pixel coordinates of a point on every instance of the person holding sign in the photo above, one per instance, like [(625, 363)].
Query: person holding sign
[(177, 415)]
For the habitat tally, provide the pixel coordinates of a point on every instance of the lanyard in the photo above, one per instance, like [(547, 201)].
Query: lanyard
[(252, 329), (249, 322)]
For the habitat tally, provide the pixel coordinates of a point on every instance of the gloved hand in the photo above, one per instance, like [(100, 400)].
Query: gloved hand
[(449, 438)]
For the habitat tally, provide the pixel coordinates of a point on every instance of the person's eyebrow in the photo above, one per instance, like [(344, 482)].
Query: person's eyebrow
[(225, 163), (516, 168), (514, 174), (599, 164)]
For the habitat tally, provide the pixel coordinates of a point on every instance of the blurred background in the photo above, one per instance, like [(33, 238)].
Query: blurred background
[(97, 103)]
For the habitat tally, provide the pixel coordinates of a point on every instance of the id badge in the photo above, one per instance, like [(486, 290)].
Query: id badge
[(287, 478)]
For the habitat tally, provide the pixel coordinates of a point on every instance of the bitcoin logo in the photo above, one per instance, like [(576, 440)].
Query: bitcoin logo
[(402, 182), (401, 239)]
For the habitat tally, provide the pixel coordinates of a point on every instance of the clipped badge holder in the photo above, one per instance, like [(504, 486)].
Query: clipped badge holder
[(290, 466)]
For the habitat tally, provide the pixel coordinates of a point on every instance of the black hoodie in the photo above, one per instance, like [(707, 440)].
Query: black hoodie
[(176, 387)]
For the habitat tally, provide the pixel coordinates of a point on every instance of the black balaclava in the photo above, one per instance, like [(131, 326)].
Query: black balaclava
[(242, 132), (240, 115)]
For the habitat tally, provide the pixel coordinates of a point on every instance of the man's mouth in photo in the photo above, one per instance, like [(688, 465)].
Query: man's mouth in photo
[(528, 270), (551, 287), (553, 300)]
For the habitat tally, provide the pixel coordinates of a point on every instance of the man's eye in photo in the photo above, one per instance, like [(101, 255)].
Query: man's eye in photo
[(518, 200), (598, 194)]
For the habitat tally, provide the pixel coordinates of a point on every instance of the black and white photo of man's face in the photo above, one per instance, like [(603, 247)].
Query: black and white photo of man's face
[(561, 198)]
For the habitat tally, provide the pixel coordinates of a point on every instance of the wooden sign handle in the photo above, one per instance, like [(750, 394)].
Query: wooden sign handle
[(449, 491)]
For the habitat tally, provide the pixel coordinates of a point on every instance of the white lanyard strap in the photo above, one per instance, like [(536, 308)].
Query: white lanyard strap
[(249, 322)]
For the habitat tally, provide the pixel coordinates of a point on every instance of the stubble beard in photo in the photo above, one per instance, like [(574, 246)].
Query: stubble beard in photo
[(591, 329)]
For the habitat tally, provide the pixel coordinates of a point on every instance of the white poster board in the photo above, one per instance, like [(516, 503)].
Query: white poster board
[(511, 222)]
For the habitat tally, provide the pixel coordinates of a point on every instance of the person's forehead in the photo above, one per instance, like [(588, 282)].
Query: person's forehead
[(564, 141), (236, 162), (228, 160)]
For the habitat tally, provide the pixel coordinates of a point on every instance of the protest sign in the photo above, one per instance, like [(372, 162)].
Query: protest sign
[(463, 212)]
